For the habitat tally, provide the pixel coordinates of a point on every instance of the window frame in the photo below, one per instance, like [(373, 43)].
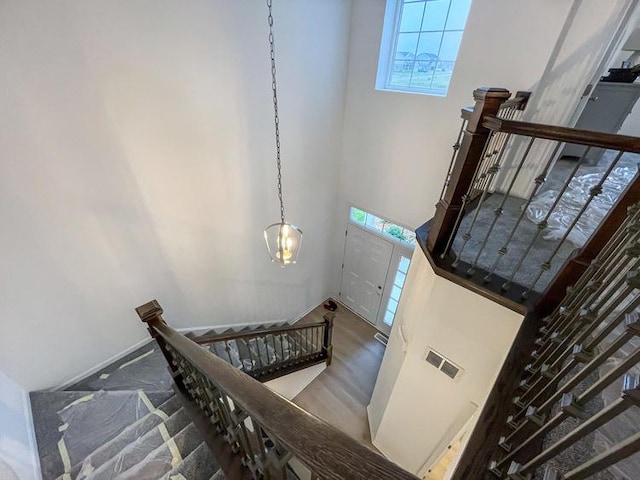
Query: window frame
[(409, 241), (388, 46)]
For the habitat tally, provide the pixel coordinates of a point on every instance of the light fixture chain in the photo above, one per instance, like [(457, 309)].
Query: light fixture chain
[(274, 88)]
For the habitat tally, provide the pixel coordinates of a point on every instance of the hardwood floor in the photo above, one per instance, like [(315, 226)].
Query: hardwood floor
[(341, 393)]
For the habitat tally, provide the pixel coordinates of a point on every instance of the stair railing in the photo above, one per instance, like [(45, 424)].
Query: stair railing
[(491, 141), (261, 429), (581, 321), (588, 345), (294, 347)]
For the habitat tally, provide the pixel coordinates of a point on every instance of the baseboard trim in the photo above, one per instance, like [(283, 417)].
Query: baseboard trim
[(101, 365), (31, 429)]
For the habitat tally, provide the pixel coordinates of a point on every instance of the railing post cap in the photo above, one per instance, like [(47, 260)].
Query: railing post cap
[(482, 93), (149, 311), (329, 317)]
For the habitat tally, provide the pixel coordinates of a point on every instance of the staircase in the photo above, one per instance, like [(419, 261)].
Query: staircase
[(126, 422)]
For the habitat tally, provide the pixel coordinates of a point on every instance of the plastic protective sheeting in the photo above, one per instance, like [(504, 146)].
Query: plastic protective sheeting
[(572, 201), (96, 419)]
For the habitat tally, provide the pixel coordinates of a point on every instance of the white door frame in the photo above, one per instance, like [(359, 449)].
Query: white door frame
[(399, 248)]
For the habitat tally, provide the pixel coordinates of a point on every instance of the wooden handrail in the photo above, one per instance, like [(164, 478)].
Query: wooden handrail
[(519, 102), (488, 101), (253, 333), (564, 134), (324, 449)]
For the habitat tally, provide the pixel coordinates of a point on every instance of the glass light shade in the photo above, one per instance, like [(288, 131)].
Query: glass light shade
[(283, 243)]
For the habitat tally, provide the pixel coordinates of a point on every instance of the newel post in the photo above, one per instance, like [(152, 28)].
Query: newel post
[(488, 101), (327, 346), (151, 314)]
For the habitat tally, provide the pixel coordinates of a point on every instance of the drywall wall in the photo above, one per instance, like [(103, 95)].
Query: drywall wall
[(417, 284), (397, 146), (592, 33), (138, 163), (415, 418), (18, 454)]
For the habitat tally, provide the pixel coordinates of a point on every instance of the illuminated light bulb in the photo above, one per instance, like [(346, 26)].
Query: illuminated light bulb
[(283, 243)]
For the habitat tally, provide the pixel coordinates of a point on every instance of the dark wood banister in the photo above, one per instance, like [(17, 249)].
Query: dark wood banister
[(481, 119), (259, 333), (519, 102), (564, 134), (327, 451)]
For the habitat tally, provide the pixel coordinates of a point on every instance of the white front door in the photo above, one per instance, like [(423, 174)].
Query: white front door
[(364, 272)]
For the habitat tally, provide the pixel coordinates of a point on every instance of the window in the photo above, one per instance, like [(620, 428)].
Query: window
[(382, 226), (420, 43), (396, 290)]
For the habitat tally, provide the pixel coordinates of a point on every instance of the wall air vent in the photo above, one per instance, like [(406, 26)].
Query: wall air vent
[(442, 363), (434, 359)]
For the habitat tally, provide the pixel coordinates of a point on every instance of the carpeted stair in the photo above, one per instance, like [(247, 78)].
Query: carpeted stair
[(124, 421)]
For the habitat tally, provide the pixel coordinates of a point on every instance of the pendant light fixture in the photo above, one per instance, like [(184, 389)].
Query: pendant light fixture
[(283, 239)]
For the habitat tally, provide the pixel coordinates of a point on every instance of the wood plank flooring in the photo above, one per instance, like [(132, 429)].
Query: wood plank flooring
[(341, 393)]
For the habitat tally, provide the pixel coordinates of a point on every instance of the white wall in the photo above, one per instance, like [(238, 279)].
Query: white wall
[(18, 455), (138, 163), (411, 421), (397, 146), (592, 33)]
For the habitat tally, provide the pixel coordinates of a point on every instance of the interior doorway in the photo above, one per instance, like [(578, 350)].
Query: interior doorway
[(377, 255)]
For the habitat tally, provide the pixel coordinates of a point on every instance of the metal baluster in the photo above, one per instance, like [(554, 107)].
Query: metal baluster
[(572, 329), (602, 278), (456, 147), (618, 452), (594, 192), (251, 357), (544, 223), (275, 352), (258, 433), (498, 211), (587, 351), (539, 181), (306, 340), (485, 166), (630, 396), (282, 354), (258, 356), (585, 397), (228, 349), (501, 138), (465, 201)]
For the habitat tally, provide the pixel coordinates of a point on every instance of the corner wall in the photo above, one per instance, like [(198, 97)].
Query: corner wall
[(18, 451), (138, 163), (413, 418), (397, 146)]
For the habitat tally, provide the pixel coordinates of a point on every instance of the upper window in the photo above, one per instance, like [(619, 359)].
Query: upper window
[(420, 43), (383, 226)]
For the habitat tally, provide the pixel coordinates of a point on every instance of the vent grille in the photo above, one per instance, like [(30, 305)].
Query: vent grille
[(434, 359), (442, 363)]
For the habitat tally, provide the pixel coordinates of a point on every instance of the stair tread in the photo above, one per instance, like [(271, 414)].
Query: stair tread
[(74, 417), (200, 464), (159, 461), (139, 449), (130, 434)]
